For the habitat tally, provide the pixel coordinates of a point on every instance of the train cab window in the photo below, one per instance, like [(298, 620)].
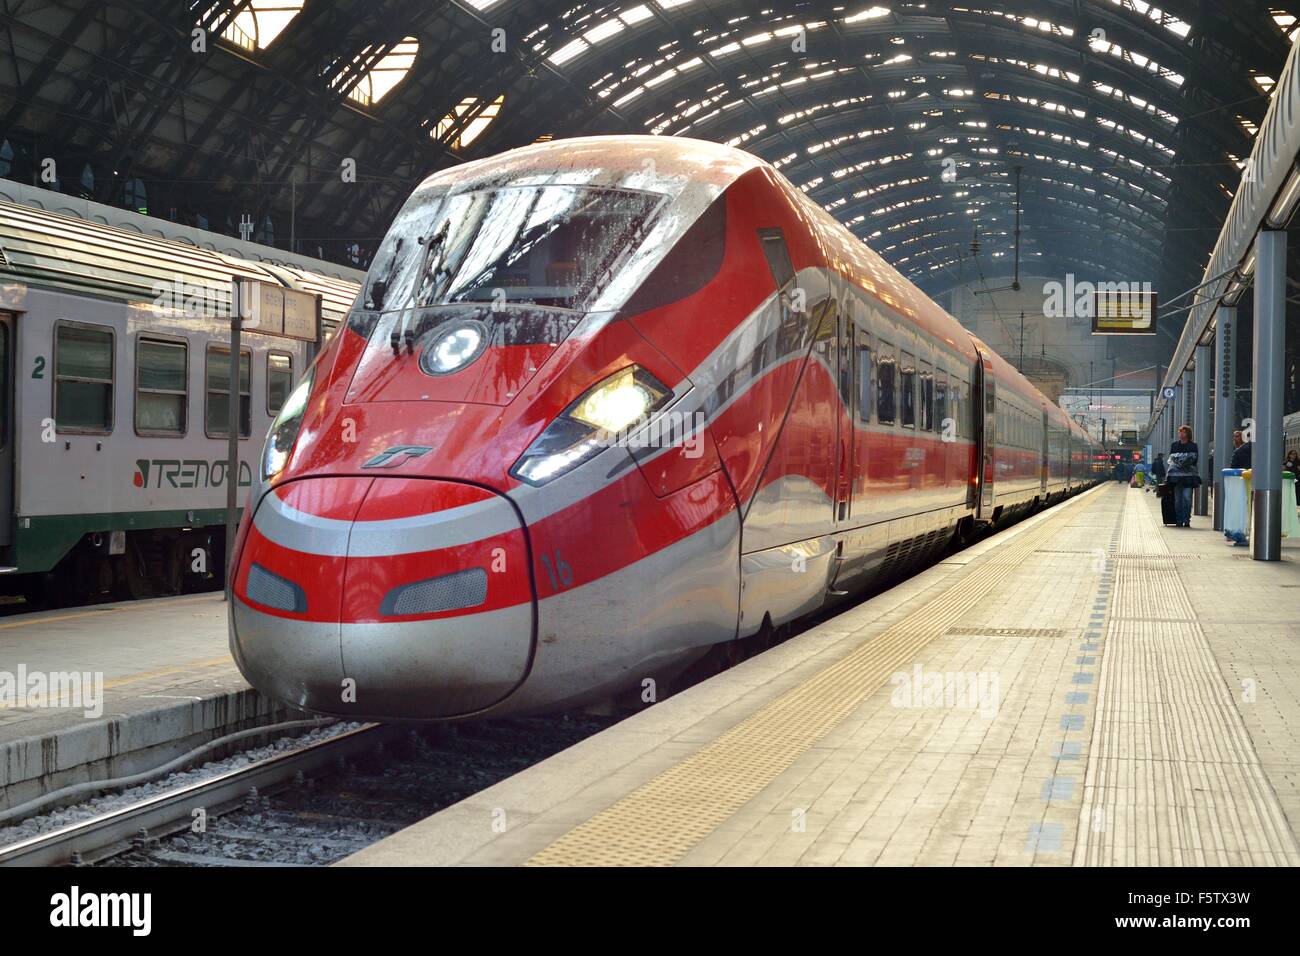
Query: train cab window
[(279, 380), (907, 379), (866, 397), (161, 386), (927, 398), (690, 264), (83, 378), (217, 413), (778, 256), (885, 386)]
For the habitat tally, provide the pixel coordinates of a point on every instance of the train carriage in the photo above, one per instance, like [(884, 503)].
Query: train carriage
[(114, 378), (509, 531)]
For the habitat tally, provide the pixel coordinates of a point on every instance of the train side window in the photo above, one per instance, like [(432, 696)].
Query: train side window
[(279, 380), (865, 385), (83, 378), (885, 386), (941, 415), (216, 418), (907, 379), (161, 386), (967, 410), (927, 397), (778, 256)]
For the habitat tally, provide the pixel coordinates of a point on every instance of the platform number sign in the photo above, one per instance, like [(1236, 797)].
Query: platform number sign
[(1168, 392)]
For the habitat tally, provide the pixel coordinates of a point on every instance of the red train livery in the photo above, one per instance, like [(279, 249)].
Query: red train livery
[(601, 405)]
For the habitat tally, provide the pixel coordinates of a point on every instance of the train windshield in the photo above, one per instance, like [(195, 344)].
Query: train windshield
[(556, 246)]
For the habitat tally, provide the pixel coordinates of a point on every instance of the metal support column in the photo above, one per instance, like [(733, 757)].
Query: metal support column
[(1270, 343), (1201, 429), (1225, 348)]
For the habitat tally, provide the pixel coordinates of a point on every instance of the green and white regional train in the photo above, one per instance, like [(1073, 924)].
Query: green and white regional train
[(114, 392)]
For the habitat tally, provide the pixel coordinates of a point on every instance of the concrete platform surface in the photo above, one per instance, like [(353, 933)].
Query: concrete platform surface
[(108, 690), (1086, 688)]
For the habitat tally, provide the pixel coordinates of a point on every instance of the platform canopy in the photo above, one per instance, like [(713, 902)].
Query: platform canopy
[(1129, 121)]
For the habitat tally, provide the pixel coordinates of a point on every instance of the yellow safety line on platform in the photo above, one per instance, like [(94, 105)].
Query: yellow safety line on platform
[(659, 822)]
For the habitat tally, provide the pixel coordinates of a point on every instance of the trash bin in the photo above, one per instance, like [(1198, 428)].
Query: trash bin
[(1236, 505), (1290, 520)]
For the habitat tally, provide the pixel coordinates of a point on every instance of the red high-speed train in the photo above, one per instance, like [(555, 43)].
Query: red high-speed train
[(601, 405)]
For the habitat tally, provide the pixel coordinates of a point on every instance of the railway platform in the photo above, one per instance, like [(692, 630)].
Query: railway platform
[(111, 689), (1085, 688)]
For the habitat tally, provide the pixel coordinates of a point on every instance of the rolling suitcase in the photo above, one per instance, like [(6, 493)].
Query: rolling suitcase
[(1167, 513)]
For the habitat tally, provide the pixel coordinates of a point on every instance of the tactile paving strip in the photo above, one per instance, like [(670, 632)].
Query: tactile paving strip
[(658, 823), (1005, 631), (1173, 777)]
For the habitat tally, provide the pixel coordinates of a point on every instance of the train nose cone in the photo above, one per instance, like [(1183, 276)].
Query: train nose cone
[(432, 601), (288, 589)]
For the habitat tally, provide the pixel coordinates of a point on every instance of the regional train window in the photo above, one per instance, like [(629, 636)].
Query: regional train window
[(778, 256), (83, 378), (885, 391), (865, 395), (217, 413), (927, 398), (6, 388), (279, 380), (161, 389), (907, 377)]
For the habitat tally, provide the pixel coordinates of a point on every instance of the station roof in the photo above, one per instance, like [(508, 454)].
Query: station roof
[(1129, 122)]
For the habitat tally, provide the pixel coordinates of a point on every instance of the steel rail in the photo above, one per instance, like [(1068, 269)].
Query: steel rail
[(104, 835)]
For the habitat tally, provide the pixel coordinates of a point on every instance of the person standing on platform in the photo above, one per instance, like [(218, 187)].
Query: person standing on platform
[(1241, 454), (1292, 464), (1158, 467), (1183, 478)]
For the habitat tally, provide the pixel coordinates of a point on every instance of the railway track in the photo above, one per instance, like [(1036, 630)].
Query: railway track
[(310, 806)]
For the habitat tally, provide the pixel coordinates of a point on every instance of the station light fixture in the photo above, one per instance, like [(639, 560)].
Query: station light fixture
[(1285, 204)]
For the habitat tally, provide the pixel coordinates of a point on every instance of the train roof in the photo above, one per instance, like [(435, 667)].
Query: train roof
[(89, 257), (662, 164)]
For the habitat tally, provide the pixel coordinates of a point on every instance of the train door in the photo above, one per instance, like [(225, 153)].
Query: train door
[(985, 406), (1042, 486), (7, 327)]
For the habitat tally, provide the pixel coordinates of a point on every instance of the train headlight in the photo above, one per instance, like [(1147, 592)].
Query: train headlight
[(284, 430), (599, 416), (454, 348)]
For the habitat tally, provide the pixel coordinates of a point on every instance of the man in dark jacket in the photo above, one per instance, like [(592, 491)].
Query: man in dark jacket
[(1182, 475), (1241, 455)]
